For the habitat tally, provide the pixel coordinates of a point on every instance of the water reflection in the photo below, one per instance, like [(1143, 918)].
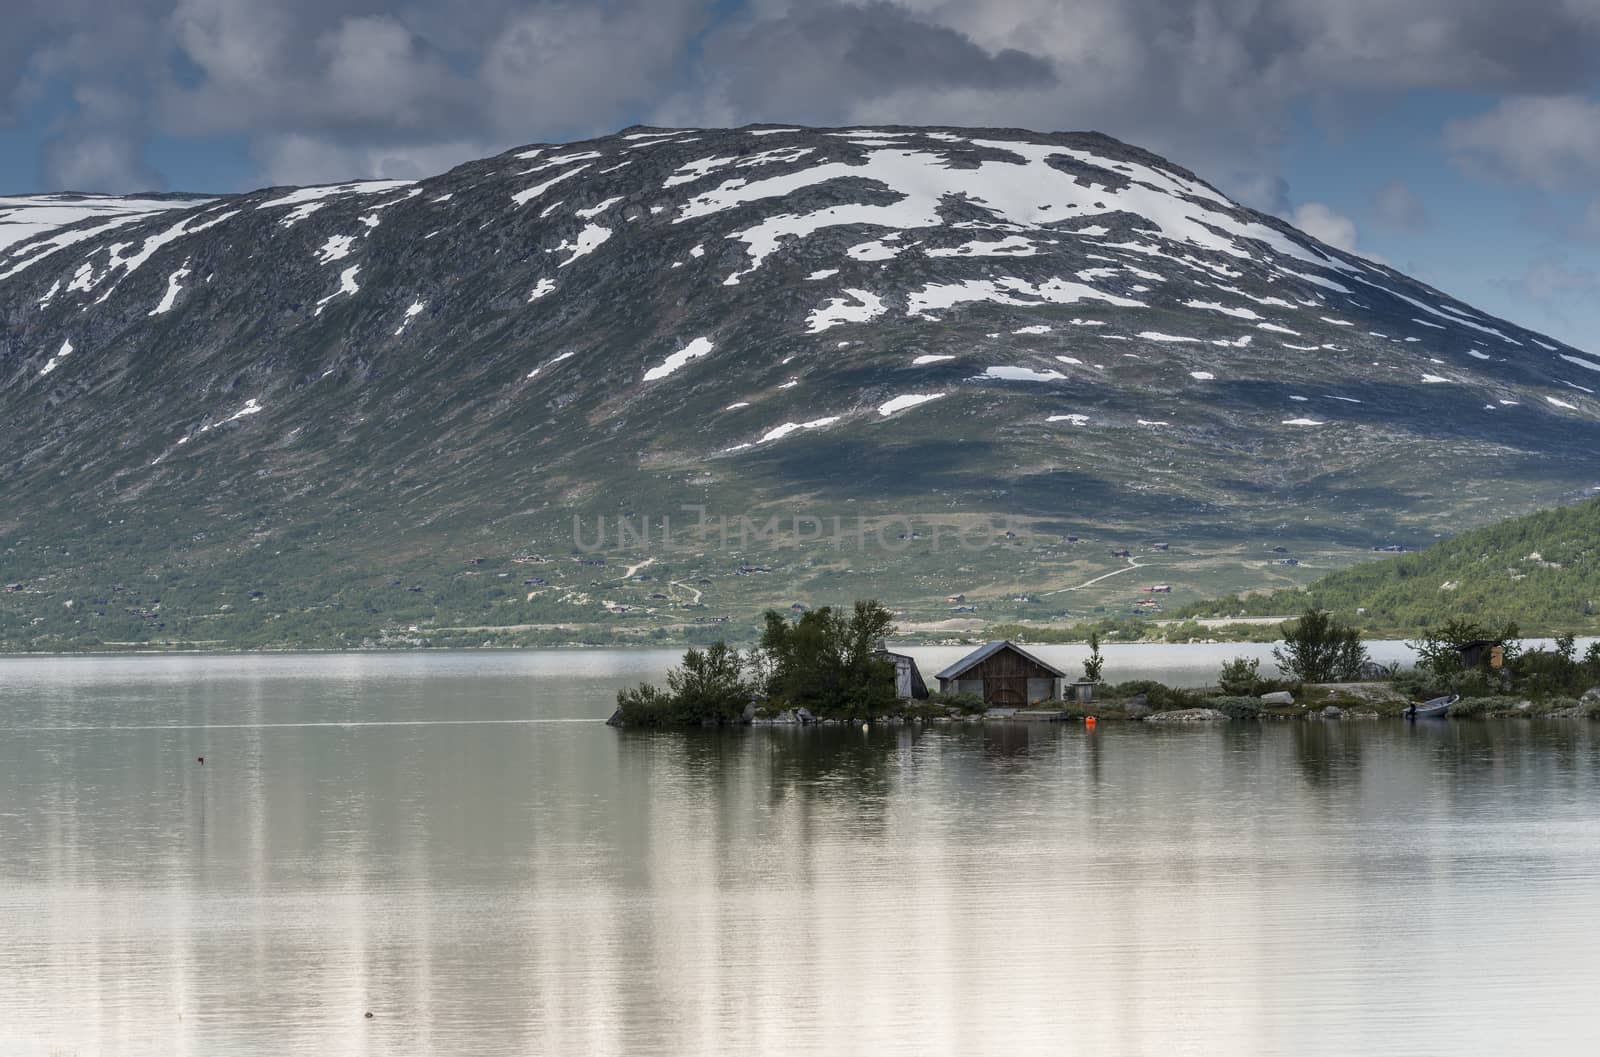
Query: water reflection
[(487, 876)]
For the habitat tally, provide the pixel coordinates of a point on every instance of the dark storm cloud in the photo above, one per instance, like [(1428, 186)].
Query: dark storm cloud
[(823, 57), (329, 88)]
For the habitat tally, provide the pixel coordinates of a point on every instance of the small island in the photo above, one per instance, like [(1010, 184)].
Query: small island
[(832, 667)]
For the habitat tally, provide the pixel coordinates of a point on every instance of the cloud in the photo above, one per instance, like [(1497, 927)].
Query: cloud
[(1394, 205), (1206, 82), (1550, 142), (299, 159), (1326, 225), (579, 68)]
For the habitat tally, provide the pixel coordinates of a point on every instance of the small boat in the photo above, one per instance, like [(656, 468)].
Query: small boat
[(1436, 707)]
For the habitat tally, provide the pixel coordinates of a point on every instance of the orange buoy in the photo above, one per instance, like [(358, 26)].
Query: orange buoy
[(1088, 722)]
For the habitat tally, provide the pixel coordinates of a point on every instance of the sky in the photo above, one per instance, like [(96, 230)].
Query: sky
[(1457, 140)]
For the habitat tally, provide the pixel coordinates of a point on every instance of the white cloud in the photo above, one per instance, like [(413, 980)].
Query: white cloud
[(1550, 142), (1323, 223), (1208, 83)]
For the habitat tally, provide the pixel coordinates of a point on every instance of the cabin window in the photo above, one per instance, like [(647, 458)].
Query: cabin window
[(969, 686), (1040, 690)]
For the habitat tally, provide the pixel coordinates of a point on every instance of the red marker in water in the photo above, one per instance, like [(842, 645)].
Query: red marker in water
[(201, 760)]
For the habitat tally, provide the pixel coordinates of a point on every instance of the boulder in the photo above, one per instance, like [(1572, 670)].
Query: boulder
[(616, 719), (1188, 715), (1591, 694), (1333, 712), (1368, 693), (1278, 697), (803, 715), (1137, 709), (750, 712)]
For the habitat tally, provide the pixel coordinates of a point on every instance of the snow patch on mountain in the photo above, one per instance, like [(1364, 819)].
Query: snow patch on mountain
[(694, 350)]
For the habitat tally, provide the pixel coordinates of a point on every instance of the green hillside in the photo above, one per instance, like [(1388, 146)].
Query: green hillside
[(1541, 571)]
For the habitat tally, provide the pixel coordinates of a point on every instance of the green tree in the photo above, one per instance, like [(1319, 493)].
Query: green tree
[(1094, 663), (1319, 649), (827, 661), (708, 687), (1241, 677)]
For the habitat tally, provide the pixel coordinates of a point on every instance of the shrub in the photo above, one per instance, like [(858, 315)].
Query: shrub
[(1417, 683), (1241, 677), (1319, 649), (1237, 707), (708, 688), (645, 706), (1473, 682), (1158, 696), (969, 704), (1469, 707)]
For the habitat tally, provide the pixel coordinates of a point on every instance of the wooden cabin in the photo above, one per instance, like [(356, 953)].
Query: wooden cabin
[(1005, 676), (908, 684), (1477, 653)]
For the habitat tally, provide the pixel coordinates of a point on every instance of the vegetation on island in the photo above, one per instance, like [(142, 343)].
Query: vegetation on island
[(827, 666), (827, 662), (1543, 569)]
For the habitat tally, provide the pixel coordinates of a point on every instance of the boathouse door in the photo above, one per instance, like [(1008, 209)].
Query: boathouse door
[(1006, 691)]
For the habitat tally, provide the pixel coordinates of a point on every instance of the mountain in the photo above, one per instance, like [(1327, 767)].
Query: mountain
[(1541, 571), (334, 415)]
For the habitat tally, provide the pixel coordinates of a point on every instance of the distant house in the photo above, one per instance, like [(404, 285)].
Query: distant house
[(908, 682), (1160, 546), (1280, 550), (1287, 561), (1160, 589), (963, 609), (956, 598), (799, 607), (1122, 553), (13, 587), (1004, 675)]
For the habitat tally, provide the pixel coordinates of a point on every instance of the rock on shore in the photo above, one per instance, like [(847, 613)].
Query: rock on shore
[(1188, 715)]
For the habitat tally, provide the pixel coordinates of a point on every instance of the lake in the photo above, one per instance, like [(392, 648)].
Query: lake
[(455, 843)]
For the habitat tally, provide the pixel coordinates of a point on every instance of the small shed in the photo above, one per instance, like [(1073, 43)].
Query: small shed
[(1475, 654), (1004, 675), (908, 682)]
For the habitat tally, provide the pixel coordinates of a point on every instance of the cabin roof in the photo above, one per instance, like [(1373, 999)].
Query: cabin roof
[(988, 650)]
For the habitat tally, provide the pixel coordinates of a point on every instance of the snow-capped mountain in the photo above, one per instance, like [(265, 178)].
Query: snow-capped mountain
[(1058, 327)]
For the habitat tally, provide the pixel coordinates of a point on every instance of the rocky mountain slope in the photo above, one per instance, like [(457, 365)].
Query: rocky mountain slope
[(300, 415)]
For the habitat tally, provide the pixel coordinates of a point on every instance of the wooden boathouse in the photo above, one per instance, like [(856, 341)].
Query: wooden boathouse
[(1005, 676), (908, 684)]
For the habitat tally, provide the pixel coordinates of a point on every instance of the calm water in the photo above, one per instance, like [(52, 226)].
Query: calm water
[(455, 843)]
